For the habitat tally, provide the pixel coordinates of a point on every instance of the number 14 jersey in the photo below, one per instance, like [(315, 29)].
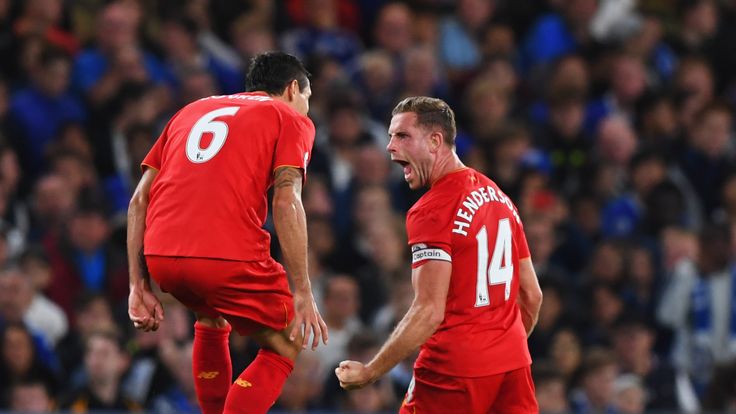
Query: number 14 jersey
[(216, 159), (467, 220)]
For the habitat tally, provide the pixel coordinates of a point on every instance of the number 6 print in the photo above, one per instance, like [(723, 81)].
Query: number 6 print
[(501, 270), (219, 130)]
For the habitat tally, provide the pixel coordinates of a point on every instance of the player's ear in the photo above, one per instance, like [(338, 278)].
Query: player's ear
[(293, 89), (435, 141)]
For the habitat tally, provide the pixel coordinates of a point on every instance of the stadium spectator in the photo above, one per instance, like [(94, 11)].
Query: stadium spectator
[(38, 111), (155, 376), (105, 363), (92, 313), (709, 154), (116, 58), (566, 353), (303, 388), (41, 315), (633, 343), (628, 83), (43, 18), (31, 396), (22, 358), (629, 395), (392, 31), (179, 41), (550, 388), (560, 32), (84, 259), (697, 304), (460, 34), (597, 379), (321, 34), (340, 304), (694, 87)]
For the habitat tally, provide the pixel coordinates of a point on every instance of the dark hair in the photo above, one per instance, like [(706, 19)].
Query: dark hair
[(272, 72), (110, 335), (34, 252), (544, 372), (430, 112), (185, 23), (50, 55), (712, 107), (596, 359)]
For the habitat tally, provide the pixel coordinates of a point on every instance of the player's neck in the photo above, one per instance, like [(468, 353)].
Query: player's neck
[(447, 163)]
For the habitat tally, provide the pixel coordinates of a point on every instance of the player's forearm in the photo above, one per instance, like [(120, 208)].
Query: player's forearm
[(291, 228), (419, 323), (529, 308), (136, 227), (529, 321)]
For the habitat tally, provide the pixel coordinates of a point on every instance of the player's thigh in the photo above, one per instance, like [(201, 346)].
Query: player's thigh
[(433, 393), (173, 276), (516, 395), (253, 297)]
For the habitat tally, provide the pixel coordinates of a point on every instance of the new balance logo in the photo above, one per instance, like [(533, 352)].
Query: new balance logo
[(243, 383), (208, 374)]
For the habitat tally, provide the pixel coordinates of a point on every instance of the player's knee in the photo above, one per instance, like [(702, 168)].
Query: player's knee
[(280, 343), (209, 322)]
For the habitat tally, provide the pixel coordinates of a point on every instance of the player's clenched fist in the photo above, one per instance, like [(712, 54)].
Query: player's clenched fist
[(353, 375)]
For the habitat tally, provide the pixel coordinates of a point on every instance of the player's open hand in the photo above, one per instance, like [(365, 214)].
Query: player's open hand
[(307, 320), (353, 375), (144, 309)]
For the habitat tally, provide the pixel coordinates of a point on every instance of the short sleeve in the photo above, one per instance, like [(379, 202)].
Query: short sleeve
[(429, 232), (520, 240), (294, 145), (153, 158)]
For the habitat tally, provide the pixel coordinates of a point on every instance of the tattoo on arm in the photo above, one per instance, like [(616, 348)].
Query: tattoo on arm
[(288, 176)]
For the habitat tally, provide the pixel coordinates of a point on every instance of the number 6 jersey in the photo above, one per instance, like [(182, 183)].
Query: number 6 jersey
[(467, 220), (216, 159)]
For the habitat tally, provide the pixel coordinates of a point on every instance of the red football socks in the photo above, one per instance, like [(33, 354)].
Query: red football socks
[(258, 387), (212, 368)]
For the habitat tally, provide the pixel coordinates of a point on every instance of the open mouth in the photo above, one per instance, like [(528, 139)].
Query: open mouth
[(406, 166)]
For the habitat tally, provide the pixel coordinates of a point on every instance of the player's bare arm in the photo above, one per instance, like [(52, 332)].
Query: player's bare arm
[(431, 282), (530, 295), (144, 308), (291, 228)]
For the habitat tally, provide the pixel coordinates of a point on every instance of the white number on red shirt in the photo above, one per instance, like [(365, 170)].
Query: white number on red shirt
[(205, 124), (501, 269)]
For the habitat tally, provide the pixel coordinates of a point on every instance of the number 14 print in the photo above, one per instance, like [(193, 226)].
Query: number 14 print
[(501, 269)]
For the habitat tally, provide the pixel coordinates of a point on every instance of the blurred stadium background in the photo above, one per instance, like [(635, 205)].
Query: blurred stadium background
[(610, 122)]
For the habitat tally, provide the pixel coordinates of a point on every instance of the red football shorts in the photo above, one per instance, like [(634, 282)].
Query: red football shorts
[(250, 295), (508, 393)]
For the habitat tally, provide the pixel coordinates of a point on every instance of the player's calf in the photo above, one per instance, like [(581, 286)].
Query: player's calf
[(258, 387), (211, 365)]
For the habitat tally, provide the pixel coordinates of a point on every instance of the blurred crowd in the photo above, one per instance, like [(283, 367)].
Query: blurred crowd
[(610, 122)]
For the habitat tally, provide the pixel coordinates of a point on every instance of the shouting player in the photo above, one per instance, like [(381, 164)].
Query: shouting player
[(476, 293), (199, 211)]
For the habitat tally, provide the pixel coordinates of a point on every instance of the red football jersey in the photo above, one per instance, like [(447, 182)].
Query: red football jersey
[(467, 220), (216, 159)]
